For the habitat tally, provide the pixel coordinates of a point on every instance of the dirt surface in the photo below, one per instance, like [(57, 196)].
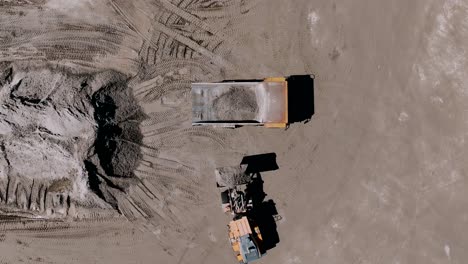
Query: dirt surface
[(99, 162)]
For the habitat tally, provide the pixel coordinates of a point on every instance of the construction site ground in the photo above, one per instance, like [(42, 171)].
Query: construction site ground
[(99, 162)]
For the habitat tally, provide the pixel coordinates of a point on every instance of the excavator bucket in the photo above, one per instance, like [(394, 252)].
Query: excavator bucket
[(232, 176)]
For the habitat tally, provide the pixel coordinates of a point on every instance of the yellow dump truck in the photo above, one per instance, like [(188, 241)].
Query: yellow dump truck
[(239, 103)]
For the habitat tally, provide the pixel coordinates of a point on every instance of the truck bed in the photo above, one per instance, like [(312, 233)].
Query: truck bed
[(239, 103)]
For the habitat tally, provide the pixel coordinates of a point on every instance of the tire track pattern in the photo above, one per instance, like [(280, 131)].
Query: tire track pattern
[(180, 49), (53, 37), (180, 34), (181, 45)]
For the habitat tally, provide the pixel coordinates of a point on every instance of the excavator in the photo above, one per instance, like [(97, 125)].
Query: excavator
[(244, 233)]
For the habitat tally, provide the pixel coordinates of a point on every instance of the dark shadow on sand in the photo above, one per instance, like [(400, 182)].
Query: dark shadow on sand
[(301, 105), (264, 212), (260, 163)]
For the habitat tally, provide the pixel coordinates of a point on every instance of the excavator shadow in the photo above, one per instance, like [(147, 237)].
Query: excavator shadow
[(260, 163), (264, 214)]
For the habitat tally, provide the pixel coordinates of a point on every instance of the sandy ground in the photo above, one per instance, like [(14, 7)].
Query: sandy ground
[(377, 176)]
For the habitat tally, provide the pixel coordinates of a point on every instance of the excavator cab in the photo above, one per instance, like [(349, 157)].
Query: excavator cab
[(244, 242)]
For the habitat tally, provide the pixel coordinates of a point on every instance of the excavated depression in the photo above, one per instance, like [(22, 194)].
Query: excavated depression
[(68, 143)]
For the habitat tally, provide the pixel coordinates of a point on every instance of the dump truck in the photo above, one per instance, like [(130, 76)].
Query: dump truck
[(241, 103), (244, 234)]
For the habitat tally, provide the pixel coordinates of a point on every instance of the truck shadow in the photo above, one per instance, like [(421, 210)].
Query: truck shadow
[(301, 105), (263, 212)]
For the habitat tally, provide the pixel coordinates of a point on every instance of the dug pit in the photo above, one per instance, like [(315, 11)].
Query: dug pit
[(68, 143)]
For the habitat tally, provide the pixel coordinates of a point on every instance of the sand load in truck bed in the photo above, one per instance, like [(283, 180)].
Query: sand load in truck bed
[(239, 103), (232, 176)]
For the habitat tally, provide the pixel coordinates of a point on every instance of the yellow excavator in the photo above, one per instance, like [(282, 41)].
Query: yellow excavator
[(244, 233), (245, 241)]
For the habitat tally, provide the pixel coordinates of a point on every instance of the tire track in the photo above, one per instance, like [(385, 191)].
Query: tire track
[(224, 16), (166, 188), (30, 198), (163, 130), (30, 226), (172, 64), (194, 46), (161, 117), (156, 93), (100, 39), (148, 206), (177, 140), (108, 34), (177, 10), (216, 11), (172, 35)]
